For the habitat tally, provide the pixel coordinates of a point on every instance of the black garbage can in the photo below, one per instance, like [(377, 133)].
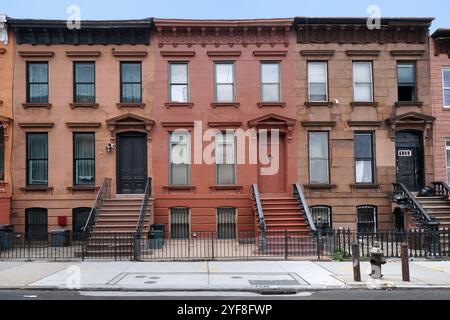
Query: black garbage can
[(156, 236), (6, 236), (60, 238)]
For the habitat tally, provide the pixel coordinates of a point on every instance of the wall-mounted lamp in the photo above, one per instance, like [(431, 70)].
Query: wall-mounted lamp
[(110, 147)]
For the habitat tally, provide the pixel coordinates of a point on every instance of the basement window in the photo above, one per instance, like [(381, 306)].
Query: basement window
[(179, 223), (226, 223), (367, 219), (324, 213)]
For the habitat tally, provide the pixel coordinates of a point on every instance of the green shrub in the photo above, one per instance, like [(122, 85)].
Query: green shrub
[(338, 255)]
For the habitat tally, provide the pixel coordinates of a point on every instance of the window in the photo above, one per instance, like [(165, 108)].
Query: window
[(226, 223), (317, 81), (406, 78), (178, 82), (324, 213), (179, 158), (131, 82), (362, 81), (270, 81), (224, 75), (36, 224), (367, 218), (2, 153), (179, 223), (84, 158), (364, 157), (37, 159), (446, 80), (84, 82), (37, 82), (447, 153), (79, 219), (318, 157), (225, 159)]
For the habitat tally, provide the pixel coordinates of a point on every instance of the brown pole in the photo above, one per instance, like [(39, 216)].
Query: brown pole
[(356, 265), (405, 262)]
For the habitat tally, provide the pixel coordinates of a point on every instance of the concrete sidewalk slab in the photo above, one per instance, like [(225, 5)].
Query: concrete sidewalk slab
[(311, 272), (27, 273), (167, 267)]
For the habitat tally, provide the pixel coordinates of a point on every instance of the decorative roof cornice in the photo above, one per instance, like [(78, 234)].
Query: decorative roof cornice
[(441, 41), (176, 32)]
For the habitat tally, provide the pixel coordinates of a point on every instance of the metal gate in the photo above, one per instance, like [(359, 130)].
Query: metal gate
[(79, 218), (36, 224), (179, 223), (226, 223)]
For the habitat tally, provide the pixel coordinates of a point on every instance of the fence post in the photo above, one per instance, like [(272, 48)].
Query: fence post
[(82, 245), (356, 264), (405, 262), (115, 246), (319, 242), (212, 245), (285, 244)]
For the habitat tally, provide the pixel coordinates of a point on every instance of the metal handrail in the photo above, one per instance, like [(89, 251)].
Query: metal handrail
[(256, 197), (103, 192), (412, 202), (298, 193), (143, 212)]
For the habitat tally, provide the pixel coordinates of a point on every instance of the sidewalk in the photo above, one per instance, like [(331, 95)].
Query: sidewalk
[(255, 276)]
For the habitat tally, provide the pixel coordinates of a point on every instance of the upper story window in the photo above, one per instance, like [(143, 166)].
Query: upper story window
[(318, 158), (406, 81), (364, 157), (225, 158), (37, 82), (447, 154), (362, 81), (179, 158), (317, 81), (270, 82), (84, 158), (131, 82), (84, 82), (37, 159), (178, 82), (446, 89), (224, 76)]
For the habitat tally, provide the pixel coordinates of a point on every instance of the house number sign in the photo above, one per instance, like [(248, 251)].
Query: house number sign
[(404, 153)]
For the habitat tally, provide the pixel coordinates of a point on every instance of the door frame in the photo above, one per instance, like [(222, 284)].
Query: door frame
[(420, 156), (130, 133)]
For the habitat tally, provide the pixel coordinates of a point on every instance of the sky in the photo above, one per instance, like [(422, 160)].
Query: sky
[(226, 9)]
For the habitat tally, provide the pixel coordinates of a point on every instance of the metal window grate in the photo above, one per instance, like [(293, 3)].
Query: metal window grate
[(324, 213), (36, 224), (367, 218), (179, 223), (226, 223)]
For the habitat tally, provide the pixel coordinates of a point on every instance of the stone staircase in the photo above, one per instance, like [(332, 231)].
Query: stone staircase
[(437, 206)]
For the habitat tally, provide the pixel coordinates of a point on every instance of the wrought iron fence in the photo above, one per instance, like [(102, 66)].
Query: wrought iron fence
[(322, 244)]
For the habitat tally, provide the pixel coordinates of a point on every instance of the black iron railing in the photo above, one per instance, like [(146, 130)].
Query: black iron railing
[(103, 193), (441, 188), (142, 216), (261, 222), (300, 196), (404, 197)]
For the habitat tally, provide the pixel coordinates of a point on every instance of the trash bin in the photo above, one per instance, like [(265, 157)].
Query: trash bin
[(6, 236), (60, 238), (156, 236)]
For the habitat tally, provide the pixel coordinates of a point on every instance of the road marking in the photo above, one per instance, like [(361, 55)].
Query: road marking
[(30, 296)]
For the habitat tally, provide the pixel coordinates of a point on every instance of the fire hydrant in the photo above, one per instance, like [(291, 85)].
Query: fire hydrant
[(376, 260)]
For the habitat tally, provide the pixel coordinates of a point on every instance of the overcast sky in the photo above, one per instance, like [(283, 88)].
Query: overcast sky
[(213, 9)]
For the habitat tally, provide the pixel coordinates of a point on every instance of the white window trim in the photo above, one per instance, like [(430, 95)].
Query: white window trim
[(444, 87), (170, 80), (226, 142), (217, 83), (326, 82), (447, 168), (261, 83), (371, 81), (188, 156), (327, 158)]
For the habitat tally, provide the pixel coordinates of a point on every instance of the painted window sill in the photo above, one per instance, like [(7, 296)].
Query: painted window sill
[(37, 105), (83, 105), (130, 105), (37, 189), (318, 186), (225, 104), (226, 188), (73, 189), (179, 104), (318, 103), (399, 104), (278, 104), (188, 188), (364, 104), (365, 186)]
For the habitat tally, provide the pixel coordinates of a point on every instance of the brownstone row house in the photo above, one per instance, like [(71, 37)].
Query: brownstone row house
[(98, 110)]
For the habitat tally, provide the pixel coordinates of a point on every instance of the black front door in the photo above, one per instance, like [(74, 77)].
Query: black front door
[(131, 163), (410, 163)]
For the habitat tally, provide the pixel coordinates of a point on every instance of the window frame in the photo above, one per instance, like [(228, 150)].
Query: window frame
[(326, 81), (375, 215), (122, 83), (188, 165), (373, 159), (261, 83), (235, 230), (75, 83), (169, 78), (310, 158), (28, 83), (216, 83), (447, 148), (330, 214), (414, 65), (28, 159), (188, 210), (2, 153), (74, 160), (444, 88), (372, 96), (216, 165)]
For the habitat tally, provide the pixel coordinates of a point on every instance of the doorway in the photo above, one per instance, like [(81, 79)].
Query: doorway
[(410, 159), (274, 181)]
